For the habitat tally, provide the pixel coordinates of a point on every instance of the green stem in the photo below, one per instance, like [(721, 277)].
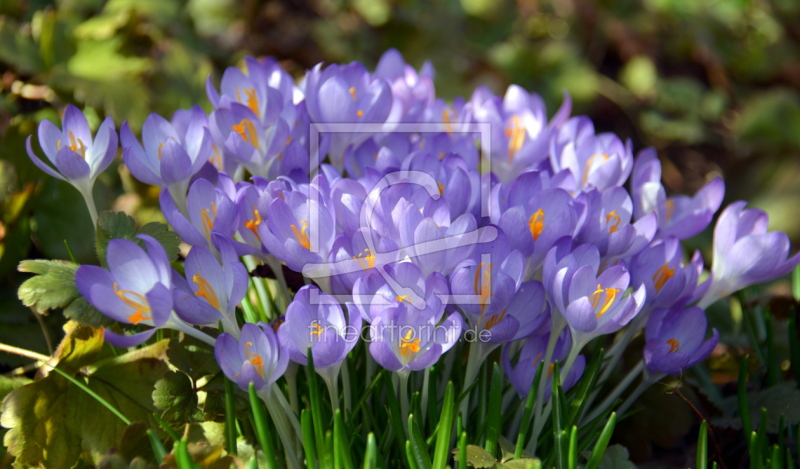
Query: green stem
[(276, 413), (403, 378), (621, 387)]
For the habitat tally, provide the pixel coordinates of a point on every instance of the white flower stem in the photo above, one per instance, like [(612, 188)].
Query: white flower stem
[(621, 387), (538, 418), (403, 377), (179, 325), (87, 197), (276, 413)]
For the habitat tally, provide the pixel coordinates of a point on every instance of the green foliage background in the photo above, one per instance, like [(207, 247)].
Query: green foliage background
[(714, 85)]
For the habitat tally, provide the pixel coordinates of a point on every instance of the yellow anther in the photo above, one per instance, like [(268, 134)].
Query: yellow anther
[(316, 329), (216, 160), (670, 206), (208, 220), (674, 345), (515, 133), (352, 91), (136, 301), (610, 296), (253, 224), (254, 358), (247, 131), (589, 164), (75, 145), (495, 320), (205, 290), (366, 262), (359, 113), (536, 224), (403, 298), (301, 235), (550, 370), (617, 220), (409, 347), (252, 99), (662, 275), (441, 187), (484, 289)]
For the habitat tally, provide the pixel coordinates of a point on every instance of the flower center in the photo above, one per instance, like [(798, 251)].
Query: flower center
[(75, 145), (316, 329), (616, 219), (252, 99), (495, 320), (674, 345), (409, 347), (515, 133), (483, 285), (255, 359), (366, 262), (301, 235), (216, 160), (670, 206), (662, 275), (137, 301), (536, 224), (208, 220), (205, 290), (610, 296), (247, 131), (253, 224)]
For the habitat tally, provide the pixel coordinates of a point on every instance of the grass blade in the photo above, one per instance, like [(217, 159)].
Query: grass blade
[(371, 457), (558, 419), (794, 345), (393, 409), (462, 451), (340, 442), (572, 456), (702, 446), (772, 357), (445, 427), (230, 417), (316, 408), (308, 437), (158, 448), (418, 447), (412, 462), (262, 427), (585, 389), (525, 426), (602, 443), (493, 415)]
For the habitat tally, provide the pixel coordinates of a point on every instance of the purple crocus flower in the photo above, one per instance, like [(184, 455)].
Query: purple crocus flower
[(591, 304), (533, 228), (531, 358), (404, 338), (78, 158), (496, 309), (300, 226), (253, 143), (413, 92), (316, 320), (168, 158), (668, 280), (211, 211), (679, 216), (608, 225), (402, 282), (136, 289), (211, 290), (745, 253), (346, 94), (257, 357), (675, 340), (599, 161)]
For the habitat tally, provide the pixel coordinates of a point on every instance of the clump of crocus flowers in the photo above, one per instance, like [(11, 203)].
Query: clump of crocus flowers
[(417, 224)]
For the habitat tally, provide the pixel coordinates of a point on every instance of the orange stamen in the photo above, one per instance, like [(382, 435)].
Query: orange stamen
[(137, 302), (301, 235), (205, 290), (617, 220), (674, 345), (536, 224), (247, 131), (662, 275)]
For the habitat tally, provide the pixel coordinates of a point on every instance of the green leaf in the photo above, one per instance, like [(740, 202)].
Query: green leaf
[(525, 463), (477, 457), (52, 287), (169, 239), (52, 422), (175, 395), (118, 225), (494, 413), (616, 457), (193, 357), (640, 76)]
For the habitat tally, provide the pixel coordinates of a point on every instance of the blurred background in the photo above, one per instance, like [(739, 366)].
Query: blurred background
[(713, 85)]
